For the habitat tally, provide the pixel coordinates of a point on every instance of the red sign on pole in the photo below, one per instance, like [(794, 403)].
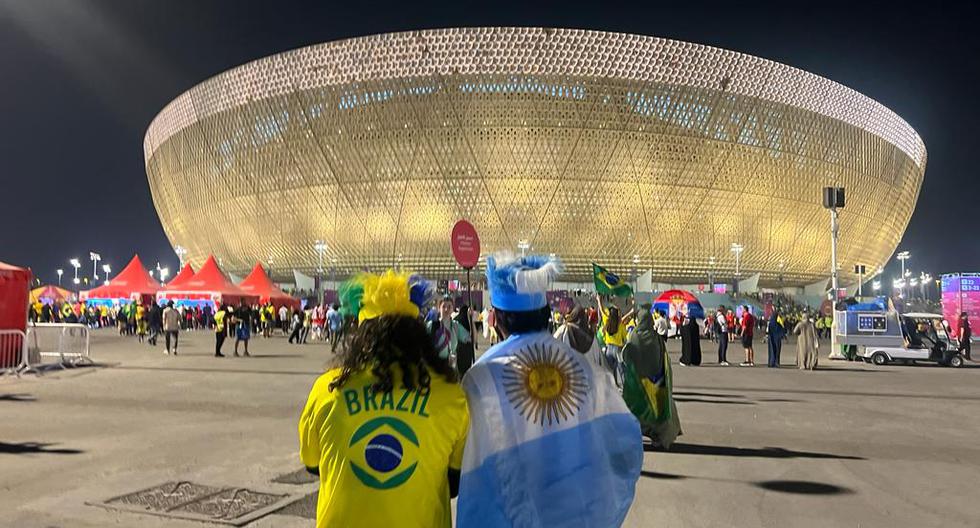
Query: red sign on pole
[(466, 244)]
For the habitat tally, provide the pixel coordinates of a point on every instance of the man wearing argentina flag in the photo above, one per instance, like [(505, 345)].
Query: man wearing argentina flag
[(551, 442)]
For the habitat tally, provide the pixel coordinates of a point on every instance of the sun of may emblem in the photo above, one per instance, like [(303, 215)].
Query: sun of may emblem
[(545, 385)]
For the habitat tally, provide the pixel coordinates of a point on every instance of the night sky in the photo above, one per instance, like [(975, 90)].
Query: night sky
[(81, 80)]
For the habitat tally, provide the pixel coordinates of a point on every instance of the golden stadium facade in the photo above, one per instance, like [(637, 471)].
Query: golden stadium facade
[(628, 150)]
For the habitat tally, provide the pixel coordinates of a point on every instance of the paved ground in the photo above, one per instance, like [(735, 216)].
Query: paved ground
[(851, 445)]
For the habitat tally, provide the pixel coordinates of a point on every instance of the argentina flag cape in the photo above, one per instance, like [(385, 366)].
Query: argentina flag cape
[(551, 442)]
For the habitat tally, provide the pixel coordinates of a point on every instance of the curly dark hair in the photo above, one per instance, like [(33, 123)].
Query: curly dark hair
[(381, 342)]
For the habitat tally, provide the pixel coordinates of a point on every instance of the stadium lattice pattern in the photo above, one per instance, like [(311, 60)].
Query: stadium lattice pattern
[(629, 150)]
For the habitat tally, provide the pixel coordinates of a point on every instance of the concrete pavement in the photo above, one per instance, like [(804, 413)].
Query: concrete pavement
[(848, 445)]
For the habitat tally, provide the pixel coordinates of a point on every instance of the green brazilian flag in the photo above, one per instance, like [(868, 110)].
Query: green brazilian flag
[(651, 401), (608, 283)]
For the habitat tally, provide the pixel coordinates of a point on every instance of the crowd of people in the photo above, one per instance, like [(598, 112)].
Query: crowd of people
[(410, 420)]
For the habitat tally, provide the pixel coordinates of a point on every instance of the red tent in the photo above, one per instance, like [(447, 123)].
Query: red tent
[(258, 283), (15, 285), (133, 282), (208, 284), (185, 275)]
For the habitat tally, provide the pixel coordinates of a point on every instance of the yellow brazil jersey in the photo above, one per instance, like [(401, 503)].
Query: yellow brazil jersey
[(617, 339), (383, 458)]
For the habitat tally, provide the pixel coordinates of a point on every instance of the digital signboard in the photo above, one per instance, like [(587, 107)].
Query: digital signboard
[(961, 293)]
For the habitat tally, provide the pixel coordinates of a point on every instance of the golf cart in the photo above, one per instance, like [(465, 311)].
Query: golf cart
[(883, 337)]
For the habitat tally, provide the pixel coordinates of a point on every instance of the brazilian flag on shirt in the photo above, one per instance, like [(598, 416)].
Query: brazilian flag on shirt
[(608, 283)]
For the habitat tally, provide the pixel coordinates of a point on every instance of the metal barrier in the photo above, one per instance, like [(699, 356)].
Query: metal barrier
[(69, 342), (13, 351)]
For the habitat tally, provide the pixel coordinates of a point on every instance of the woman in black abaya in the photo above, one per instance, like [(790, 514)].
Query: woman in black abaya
[(690, 342)]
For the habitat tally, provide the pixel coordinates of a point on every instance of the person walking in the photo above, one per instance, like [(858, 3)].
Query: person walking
[(806, 342), (662, 326), (647, 389), (721, 325), (154, 319), (576, 334), (748, 330), (220, 332), (284, 322), (243, 327), (335, 321), (465, 352), (385, 432), (552, 442), (296, 326), (141, 324), (171, 327), (307, 325), (964, 334), (613, 332), (690, 341), (775, 334)]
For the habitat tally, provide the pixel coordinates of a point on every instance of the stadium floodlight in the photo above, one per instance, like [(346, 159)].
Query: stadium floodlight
[(738, 249), (876, 285), (181, 253), (107, 269), (60, 272), (95, 258), (76, 264), (163, 274), (523, 244)]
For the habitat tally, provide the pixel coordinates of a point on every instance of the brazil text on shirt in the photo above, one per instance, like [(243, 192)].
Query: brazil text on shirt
[(365, 399)]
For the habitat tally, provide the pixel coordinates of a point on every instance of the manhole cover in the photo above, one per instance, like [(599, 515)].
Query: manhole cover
[(304, 507), (187, 500)]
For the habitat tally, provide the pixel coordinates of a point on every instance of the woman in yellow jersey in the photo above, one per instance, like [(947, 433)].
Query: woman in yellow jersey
[(141, 323), (385, 432), (614, 336)]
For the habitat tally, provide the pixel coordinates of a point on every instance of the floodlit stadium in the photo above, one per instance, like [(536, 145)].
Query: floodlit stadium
[(632, 151)]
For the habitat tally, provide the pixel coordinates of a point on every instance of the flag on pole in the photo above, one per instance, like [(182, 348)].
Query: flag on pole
[(608, 283)]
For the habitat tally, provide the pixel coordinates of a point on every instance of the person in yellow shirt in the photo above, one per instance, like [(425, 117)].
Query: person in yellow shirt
[(220, 332), (385, 432), (614, 335), (141, 324)]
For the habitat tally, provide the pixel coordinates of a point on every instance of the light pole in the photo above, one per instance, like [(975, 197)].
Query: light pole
[(60, 272), (876, 285), (833, 199), (900, 284), (636, 279), (903, 256), (711, 274), (107, 270), (737, 249), (181, 253), (163, 274), (76, 264), (95, 258), (860, 269), (523, 244), (320, 246)]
